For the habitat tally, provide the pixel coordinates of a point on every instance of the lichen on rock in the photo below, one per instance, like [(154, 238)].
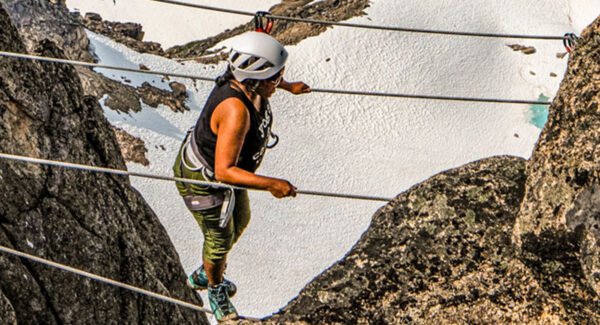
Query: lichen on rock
[(559, 209), (438, 253), (38, 20), (494, 241)]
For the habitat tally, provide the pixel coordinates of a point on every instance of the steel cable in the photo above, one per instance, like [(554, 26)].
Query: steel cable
[(159, 177), (375, 27), (104, 279), (95, 65), (110, 281), (176, 179), (432, 97), (321, 90)]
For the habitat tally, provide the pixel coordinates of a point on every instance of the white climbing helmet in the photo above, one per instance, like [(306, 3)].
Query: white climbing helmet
[(256, 55)]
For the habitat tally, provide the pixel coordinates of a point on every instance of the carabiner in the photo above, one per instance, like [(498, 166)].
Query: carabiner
[(259, 26), (569, 41), (272, 145)]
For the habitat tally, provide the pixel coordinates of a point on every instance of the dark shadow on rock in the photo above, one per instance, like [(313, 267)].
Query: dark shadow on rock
[(91, 221)]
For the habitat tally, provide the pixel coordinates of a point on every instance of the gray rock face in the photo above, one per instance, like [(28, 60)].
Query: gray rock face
[(120, 97), (129, 34), (561, 206), (45, 21), (132, 148), (441, 253), (175, 99), (91, 221), (41, 20)]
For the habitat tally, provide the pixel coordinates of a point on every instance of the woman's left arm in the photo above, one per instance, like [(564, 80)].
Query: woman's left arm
[(295, 88)]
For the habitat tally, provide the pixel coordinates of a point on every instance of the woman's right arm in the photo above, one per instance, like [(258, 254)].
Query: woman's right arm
[(230, 122)]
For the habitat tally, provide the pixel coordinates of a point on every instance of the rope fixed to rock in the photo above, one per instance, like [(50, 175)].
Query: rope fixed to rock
[(316, 90), (103, 279), (108, 281), (375, 27), (121, 172), (95, 65)]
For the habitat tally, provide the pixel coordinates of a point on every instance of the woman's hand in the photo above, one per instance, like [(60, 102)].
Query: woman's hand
[(280, 188), (295, 88)]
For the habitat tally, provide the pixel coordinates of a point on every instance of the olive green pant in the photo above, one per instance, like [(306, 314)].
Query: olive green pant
[(217, 241)]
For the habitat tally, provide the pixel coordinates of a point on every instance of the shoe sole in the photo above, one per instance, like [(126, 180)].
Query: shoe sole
[(232, 316)]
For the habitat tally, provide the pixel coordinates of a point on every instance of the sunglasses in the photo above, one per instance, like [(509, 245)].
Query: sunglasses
[(276, 79)]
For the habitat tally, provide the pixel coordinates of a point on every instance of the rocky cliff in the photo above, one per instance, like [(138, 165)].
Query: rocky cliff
[(91, 221), (558, 225), (38, 20), (41, 20), (129, 34), (499, 240), (439, 253)]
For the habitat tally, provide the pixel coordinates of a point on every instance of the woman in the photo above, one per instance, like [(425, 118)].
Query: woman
[(227, 144)]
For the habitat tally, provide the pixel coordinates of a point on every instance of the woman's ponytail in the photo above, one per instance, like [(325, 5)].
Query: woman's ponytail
[(225, 77)]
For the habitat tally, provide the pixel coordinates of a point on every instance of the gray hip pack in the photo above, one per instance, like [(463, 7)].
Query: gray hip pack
[(192, 160)]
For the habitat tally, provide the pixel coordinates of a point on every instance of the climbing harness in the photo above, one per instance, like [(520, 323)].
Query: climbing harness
[(197, 163), (192, 160), (260, 25), (569, 41)]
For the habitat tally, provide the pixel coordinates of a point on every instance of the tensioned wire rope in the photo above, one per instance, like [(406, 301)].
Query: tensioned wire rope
[(127, 173), (122, 172), (102, 279), (376, 27), (316, 90), (108, 281), (151, 176)]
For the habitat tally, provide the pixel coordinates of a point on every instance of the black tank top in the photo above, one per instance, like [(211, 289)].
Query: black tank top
[(256, 139)]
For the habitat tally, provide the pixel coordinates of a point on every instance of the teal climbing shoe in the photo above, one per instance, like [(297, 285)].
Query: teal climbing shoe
[(199, 281), (220, 304)]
